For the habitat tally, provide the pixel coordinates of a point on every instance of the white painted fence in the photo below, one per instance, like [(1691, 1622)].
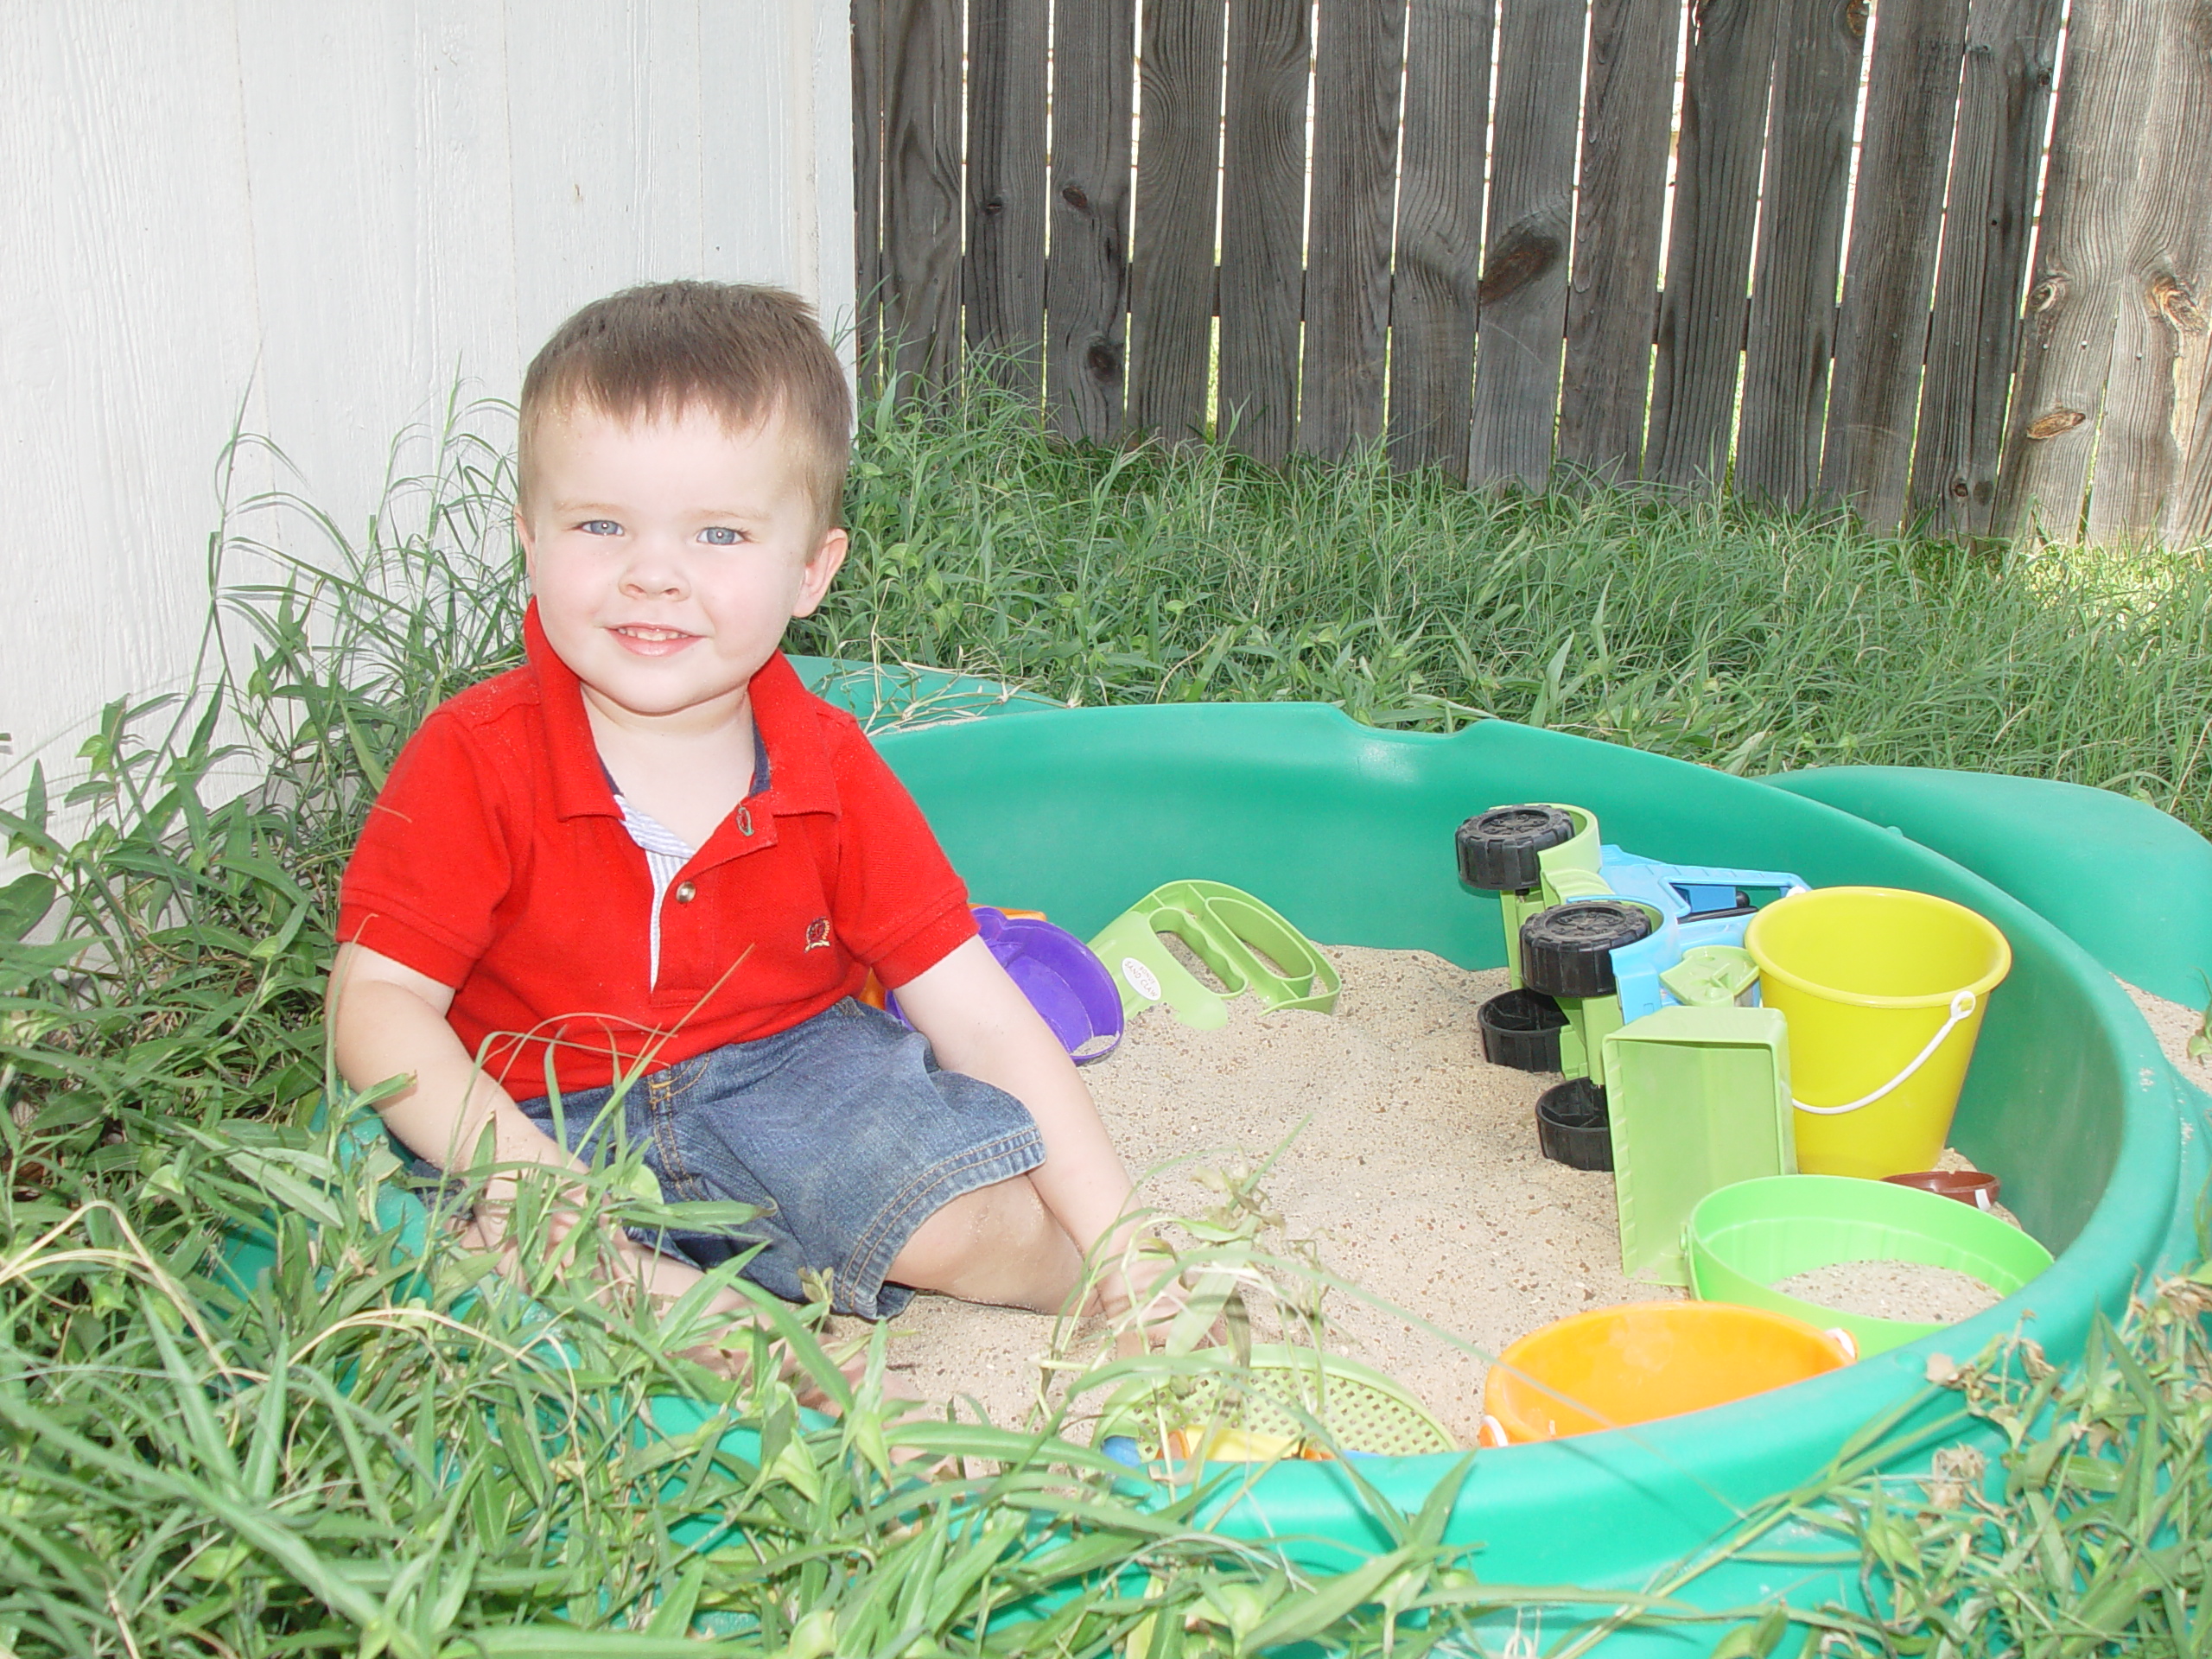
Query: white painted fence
[(305, 218)]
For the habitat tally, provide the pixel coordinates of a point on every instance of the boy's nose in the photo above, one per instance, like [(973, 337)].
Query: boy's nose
[(652, 574)]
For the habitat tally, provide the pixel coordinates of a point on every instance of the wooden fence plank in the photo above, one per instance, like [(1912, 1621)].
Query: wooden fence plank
[(1005, 189), (2188, 516), (1171, 301), (1702, 314), (867, 185), (1359, 62), (921, 189), (1800, 251), (1263, 227), (1973, 334), (1086, 283), (2191, 517), (1439, 232), (1613, 297), (1912, 93), (2081, 262), (2165, 292), (1523, 297)]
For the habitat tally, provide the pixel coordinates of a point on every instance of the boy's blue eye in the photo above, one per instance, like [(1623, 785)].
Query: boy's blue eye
[(599, 527), (720, 536)]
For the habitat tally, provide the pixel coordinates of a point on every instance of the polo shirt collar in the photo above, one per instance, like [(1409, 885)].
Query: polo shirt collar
[(799, 775), (784, 714)]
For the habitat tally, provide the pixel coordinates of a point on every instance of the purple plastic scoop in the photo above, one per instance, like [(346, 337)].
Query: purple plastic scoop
[(1064, 981)]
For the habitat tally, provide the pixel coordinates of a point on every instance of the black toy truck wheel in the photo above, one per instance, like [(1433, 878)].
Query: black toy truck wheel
[(1520, 1029), (1572, 1126), (1498, 849), (1567, 950)]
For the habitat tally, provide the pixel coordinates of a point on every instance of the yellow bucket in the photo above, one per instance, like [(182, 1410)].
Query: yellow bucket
[(1883, 990)]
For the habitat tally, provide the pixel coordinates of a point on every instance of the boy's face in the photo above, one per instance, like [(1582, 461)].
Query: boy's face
[(666, 557)]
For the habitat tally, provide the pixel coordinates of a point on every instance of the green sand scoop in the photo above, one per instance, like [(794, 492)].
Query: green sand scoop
[(1246, 946), (1700, 1099)]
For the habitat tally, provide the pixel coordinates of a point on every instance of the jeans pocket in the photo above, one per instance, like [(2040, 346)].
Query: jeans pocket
[(682, 1077)]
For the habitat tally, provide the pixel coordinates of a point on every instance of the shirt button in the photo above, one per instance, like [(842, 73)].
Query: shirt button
[(744, 822), (685, 892)]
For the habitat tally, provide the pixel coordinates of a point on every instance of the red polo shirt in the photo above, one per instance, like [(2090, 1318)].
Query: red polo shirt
[(495, 861)]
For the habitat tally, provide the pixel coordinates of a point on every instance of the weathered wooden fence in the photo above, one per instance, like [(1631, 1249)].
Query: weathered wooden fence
[(1486, 232)]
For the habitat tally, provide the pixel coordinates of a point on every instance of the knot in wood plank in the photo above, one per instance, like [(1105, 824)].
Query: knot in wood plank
[(2049, 292), (1520, 256), (1102, 359), (2172, 298), (2056, 422), (1074, 196)]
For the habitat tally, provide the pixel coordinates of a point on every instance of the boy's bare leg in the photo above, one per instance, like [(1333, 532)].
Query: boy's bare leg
[(1000, 1244), (997, 1244)]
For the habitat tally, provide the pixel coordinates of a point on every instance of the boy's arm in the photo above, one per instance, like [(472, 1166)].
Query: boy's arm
[(979, 1023), (386, 1020)]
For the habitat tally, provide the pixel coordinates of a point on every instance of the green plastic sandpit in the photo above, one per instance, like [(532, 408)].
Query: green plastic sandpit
[(1347, 831)]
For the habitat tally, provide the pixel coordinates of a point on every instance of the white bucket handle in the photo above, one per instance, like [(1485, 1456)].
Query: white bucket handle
[(1962, 1005)]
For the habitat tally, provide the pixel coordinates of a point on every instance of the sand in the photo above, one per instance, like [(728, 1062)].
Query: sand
[(1894, 1290), (1407, 1166), (2173, 1024)]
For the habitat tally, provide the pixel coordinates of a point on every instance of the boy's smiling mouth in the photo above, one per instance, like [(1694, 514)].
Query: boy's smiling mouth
[(651, 641)]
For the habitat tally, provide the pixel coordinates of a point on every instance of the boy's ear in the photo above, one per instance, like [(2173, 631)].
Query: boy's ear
[(529, 548), (821, 567)]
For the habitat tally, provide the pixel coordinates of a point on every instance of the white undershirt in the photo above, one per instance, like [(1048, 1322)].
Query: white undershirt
[(666, 853)]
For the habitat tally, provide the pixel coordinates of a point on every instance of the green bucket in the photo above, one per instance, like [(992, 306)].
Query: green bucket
[(1745, 1238)]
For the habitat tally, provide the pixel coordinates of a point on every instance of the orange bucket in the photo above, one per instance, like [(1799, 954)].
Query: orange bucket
[(1645, 1360)]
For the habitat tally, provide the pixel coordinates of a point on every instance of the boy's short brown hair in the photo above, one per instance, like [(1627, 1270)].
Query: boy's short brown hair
[(747, 353)]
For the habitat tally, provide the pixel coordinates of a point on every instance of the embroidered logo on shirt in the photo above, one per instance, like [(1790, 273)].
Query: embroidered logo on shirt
[(817, 934)]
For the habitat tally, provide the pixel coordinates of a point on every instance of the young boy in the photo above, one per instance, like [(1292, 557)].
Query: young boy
[(650, 853)]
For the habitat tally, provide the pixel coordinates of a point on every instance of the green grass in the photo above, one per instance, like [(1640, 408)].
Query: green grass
[(1693, 628), (376, 1452), (2092, 1532)]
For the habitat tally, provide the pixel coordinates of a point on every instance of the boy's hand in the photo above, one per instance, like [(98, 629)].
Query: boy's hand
[(489, 1224), (1141, 1295), (1145, 1294)]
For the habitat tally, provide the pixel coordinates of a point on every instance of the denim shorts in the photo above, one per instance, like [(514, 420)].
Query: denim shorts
[(842, 1130)]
